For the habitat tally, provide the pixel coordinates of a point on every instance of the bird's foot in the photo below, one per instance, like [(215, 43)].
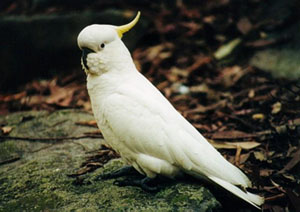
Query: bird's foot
[(126, 170), (146, 184)]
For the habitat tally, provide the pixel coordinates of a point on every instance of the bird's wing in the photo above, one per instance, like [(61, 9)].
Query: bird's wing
[(148, 124)]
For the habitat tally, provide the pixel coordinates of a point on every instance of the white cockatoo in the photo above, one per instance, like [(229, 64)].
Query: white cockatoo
[(139, 123)]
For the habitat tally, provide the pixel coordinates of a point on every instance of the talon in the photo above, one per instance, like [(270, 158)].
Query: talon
[(127, 170), (146, 187), (142, 183)]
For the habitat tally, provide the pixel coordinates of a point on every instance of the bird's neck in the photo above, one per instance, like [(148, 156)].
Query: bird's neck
[(110, 80)]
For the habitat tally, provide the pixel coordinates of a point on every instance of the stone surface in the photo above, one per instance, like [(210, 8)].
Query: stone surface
[(38, 181), (282, 59)]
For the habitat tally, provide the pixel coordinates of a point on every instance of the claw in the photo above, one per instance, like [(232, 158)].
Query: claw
[(126, 170), (142, 183)]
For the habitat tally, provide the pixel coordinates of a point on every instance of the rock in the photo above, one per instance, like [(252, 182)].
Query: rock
[(38, 181), (282, 59), (283, 62)]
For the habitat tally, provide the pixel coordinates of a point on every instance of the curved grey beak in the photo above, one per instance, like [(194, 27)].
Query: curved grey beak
[(85, 52)]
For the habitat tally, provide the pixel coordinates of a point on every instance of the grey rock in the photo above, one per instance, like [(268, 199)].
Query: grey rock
[(39, 181)]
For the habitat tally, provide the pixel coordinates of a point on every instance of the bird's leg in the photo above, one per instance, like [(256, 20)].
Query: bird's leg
[(126, 170), (144, 183)]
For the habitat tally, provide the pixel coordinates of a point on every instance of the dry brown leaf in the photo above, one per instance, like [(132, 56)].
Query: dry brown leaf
[(91, 123), (234, 145), (203, 109), (199, 62), (261, 43), (231, 75), (96, 132), (61, 96), (203, 88), (276, 108), (244, 157), (244, 25), (8, 98), (161, 51), (251, 93), (6, 129), (292, 163), (260, 156), (234, 134), (258, 116), (265, 172), (192, 26)]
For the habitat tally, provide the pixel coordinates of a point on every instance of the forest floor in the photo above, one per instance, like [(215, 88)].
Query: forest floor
[(200, 60)]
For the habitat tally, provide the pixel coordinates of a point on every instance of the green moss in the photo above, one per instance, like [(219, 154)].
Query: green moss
[(39, 182), (38, 186), (33, 202), (8, 150)]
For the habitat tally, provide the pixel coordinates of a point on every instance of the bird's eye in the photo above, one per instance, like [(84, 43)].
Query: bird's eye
[(102, 46)]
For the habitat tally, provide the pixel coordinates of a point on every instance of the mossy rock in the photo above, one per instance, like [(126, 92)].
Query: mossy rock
[(39, 180), (44, 185)]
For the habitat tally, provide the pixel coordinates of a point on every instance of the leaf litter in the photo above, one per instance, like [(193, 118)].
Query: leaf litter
[(196, 62)]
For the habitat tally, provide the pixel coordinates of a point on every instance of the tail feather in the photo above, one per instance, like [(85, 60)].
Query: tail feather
[(253, 199)]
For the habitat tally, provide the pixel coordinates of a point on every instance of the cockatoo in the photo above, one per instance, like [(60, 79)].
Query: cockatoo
[(139, 123)]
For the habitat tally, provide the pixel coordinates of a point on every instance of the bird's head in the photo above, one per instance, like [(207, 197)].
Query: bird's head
[(102, 47)]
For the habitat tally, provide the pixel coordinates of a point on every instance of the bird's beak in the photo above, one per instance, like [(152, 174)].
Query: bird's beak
[(85, 52), (125, 28)]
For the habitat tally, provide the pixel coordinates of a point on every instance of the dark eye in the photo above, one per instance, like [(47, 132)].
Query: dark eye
[(102, 45)]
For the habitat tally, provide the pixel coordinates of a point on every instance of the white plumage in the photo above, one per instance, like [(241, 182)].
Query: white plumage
[(140, 124)]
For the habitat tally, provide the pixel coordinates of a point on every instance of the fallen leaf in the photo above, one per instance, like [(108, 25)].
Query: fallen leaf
[(234, 134), (203, 109), (258, 116), (227, 49), (251, 93), (244, 25), (261, 43), (192, 27), (276, 108), (8, 98), (209, 19), (6, 130), (260, 156), (91, 123), (289, 177), (61, 96), (244, 157), (292, 163), (265, 172), (199, 62), (93, 133), (203, 88), (230, 75), (234, 145)]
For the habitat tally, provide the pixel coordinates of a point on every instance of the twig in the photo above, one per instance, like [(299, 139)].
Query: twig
[(2, 138), (237, 156), (276, 197)]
